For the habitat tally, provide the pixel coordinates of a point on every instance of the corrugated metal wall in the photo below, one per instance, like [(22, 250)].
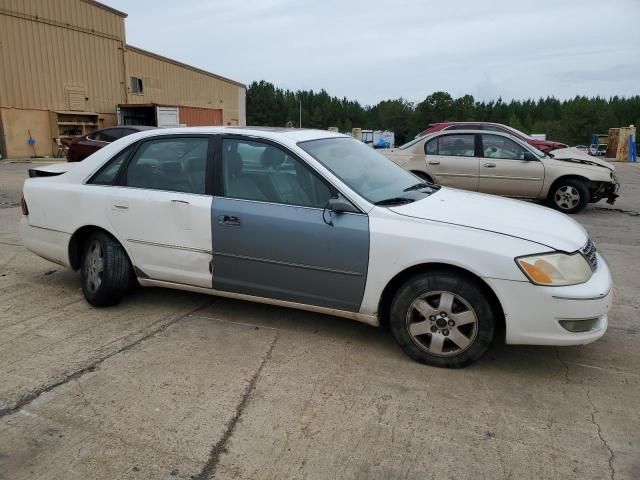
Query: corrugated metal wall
[(200, 117), (42, 58), (165, 82), (78, 14)]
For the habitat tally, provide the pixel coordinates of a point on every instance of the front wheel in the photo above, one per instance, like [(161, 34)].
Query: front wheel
[(442, 319), (105, 271), (569, 196)]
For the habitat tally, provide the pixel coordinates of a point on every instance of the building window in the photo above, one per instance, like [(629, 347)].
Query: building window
[(136, 85)]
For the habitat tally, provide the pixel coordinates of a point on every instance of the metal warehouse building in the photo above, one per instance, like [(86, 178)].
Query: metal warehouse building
[(66, 70)]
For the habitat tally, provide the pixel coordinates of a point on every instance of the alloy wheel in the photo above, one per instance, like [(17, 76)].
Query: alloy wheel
[(567, 197), (94, 264), (442, 323)]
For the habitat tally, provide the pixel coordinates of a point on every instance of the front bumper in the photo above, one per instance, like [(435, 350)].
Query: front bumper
[(533, 313), (610, 191)]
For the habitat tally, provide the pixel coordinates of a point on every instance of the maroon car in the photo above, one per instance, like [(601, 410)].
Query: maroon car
[(543, 145), (82, 147)]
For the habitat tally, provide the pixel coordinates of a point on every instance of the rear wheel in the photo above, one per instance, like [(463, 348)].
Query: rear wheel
[(442, 319), (105, 270), (569, 196)]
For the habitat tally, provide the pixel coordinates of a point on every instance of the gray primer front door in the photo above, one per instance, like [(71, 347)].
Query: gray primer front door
[(289, 253)]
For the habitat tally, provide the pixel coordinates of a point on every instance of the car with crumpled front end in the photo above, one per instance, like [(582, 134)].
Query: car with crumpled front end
[(494, 162)]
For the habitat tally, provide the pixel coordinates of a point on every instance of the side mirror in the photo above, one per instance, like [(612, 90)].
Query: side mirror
[(529, 157), (339, 204)]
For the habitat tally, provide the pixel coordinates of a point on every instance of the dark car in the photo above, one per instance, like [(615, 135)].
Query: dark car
[(82, 147), (542, 145)]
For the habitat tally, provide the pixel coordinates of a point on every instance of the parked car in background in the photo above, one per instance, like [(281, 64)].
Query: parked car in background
[(498, 163), (542, 145), (319, 221), (582, 148), (598, 150), (81, 147)]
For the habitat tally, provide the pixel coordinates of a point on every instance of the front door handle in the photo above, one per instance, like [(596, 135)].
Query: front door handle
[(434, 162), (229, 220), (175, 200), (120, 205), (490, 165)]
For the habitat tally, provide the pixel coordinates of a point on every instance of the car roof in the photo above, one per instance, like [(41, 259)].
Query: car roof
[(472, 131), (467, 130), (273, 133), (471, 123)]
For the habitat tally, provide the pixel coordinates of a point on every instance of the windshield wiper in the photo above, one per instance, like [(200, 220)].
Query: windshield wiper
[(417, 186), (394, 201)]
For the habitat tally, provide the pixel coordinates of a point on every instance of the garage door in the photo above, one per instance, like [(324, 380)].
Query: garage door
[(167, 117), (200, 117)]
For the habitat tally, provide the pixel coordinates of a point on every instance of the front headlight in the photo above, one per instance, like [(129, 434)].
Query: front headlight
[(555, 269)]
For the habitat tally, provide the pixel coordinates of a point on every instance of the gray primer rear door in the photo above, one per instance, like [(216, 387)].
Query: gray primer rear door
[(289, 253)]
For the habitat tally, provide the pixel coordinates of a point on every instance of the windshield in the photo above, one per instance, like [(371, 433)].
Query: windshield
[(411, 143), (367, 172), (539, 153), (522, 134)]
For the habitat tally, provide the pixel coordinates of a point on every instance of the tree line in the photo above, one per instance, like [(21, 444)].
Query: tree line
[(570, 121)]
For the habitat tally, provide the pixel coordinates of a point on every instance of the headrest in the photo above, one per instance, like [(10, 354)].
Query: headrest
[(272, 157), (171, 168), (234, 163)]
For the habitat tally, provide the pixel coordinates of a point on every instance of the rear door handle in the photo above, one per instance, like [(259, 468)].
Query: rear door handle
[(229, 220), (175, 200), (120, 205), (434, 162), (490, 165)]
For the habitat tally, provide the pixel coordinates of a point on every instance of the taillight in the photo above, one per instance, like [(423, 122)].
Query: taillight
[(23, 204)]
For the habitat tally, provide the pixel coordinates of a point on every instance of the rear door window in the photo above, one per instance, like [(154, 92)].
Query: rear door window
[(170, 164), (456, 145)]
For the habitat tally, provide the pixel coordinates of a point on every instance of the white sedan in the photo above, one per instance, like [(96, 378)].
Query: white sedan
[(318, 221)]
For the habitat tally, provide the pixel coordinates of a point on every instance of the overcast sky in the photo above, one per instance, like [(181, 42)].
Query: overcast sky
[(374, 50)]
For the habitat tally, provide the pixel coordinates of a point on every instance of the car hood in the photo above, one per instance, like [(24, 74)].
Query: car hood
[(504, 216), (572, 154)]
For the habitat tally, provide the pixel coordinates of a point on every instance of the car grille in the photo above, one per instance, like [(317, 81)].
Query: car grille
[(589, 252)]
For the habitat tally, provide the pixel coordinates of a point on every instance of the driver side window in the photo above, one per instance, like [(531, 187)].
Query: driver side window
[(497, 146), (259, 171)]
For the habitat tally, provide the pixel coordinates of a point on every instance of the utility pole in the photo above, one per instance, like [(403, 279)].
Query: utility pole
[(300, 121)]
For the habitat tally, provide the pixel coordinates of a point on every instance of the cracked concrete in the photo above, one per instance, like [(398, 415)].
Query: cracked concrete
[(166, 385), (612, 456), (209, 469)]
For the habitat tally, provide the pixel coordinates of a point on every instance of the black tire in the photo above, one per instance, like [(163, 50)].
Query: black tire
[(423, 176), (569, 196), (469, 300), (105, 271)]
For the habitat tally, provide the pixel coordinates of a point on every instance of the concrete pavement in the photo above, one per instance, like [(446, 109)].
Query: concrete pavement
[(178, 385)]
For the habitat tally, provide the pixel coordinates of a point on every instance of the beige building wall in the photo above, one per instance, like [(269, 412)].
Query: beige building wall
[(16, 125), (167, 82), (71, 55), (47, 64), (56, 55)]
